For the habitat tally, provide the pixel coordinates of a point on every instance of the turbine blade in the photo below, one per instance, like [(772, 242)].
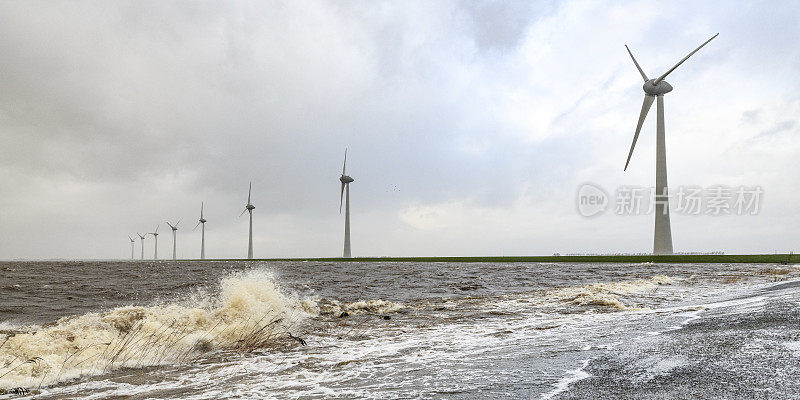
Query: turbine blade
[(250, 190), (341, 196), (681, 61), (648, 101), (201, 209), (644, 76), (156, 231), (344, 167), (195, 227), (243, 211), (179, 221)]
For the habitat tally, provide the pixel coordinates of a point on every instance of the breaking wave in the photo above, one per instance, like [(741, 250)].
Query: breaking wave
[(249, 311), (608, 294), (337, 308)]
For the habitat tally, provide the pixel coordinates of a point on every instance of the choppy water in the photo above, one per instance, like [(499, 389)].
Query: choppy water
[(209, 330)]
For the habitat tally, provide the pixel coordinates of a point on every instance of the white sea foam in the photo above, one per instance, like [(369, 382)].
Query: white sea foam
[(563, 384), (370, 357), (794, 347), (248, 311), (357, 307), (605, 294)]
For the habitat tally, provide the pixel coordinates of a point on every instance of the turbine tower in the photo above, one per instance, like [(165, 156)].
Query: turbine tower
[(655, 89), (174, 233), (346, 180), (132, 242), (249, 208), (141, 237), (155, 235), (203, 233)]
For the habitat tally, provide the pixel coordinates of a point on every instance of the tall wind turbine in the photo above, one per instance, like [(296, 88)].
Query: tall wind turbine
[(132, 241), (155, 235), (346, 180), (249, 208), (203, 233), (174, 233), (656, 89), (141, 237)]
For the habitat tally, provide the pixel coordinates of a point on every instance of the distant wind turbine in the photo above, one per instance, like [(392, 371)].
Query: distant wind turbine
[(141, 237), (132, 241), (346, 180), (656, 89), (174, 233), (203, 233), (155, 235), (249, 208)]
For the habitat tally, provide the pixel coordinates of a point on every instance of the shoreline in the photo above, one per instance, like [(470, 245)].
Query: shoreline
[(784, 258), (781, 258)]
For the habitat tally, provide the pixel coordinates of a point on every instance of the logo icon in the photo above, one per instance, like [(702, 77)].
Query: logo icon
[(591, 200)]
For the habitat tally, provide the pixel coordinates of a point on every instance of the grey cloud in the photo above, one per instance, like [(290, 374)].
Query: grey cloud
[(140, 110), (751, 116), (781, 127)]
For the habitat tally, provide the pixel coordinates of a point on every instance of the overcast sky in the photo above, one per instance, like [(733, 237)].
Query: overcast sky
[(470, 125)]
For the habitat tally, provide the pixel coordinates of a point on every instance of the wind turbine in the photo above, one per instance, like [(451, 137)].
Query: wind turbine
[(155, 235), (346, 180), (141, 237), (656, 89), (132, 241), (203, 233), (249, 208), (174, 233)]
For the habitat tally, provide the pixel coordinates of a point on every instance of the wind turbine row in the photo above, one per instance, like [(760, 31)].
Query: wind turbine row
[(654, 89), (174, 228), (142, 237), (344, 195)]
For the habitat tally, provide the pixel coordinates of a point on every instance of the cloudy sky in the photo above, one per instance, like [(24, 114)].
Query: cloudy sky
[(470, 125)]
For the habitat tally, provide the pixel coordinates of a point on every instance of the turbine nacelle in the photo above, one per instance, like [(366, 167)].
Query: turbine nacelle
[(346, 179), (249, 207), (202, 220), (652, 88)]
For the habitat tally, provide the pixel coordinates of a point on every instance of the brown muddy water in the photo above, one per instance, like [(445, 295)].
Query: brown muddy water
[(211, 330)]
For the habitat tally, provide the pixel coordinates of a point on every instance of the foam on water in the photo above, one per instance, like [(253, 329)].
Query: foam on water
[(794, 346), (444, 341), (606, 294), (248, 311), (563, 384), (335, 307)]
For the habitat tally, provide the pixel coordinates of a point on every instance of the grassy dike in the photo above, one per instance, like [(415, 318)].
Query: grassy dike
[(675, 258)]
